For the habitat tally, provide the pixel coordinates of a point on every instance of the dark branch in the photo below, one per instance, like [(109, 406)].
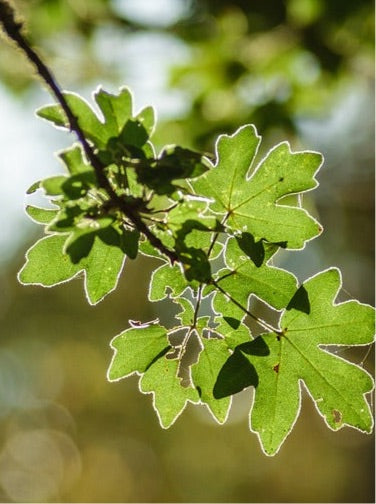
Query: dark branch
[(13, 30)]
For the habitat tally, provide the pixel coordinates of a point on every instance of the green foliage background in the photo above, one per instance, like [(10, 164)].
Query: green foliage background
[(69, 435)]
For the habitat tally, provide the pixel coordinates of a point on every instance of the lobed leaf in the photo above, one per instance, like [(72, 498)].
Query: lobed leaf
[(167, 278), (117, 121), (136, 349), (338, 387), (47, 264), (204, 376), (249, 201), (169, 397)]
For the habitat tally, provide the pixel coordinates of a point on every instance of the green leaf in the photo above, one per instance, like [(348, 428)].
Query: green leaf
[(169, 397), (40, 215), (245, 277), (186, 315), (146, 117), (237, 372), (34, 187), (116, 110), (214, 354), (87, 119), (136, 349), (199, 239), (250, 200), (53, 186), (166, 279), (337, 387), (74, 161), (147, 249), (47, 264), (232, 329), (118, 121), (129, 240), (189, 215), (174, 165)]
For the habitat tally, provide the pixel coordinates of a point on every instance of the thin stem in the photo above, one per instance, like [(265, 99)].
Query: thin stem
[(361, 363), (215, 237), (13, 29), (198, 303), (264, 324)]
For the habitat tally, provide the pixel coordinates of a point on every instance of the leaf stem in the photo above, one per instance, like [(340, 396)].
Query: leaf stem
[(261, 322), (198, 303), (215, 237)]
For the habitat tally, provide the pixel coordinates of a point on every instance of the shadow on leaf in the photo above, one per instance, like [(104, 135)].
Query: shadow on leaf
[(254, 250), (238, 372), (80, 247), (300, 301)]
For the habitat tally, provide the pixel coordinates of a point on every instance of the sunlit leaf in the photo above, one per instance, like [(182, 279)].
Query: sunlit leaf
[(136, 349), (249, 196), (337, 387), (169, 397), (48, 265)]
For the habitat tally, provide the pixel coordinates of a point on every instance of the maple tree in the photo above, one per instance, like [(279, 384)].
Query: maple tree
[(216, 223)]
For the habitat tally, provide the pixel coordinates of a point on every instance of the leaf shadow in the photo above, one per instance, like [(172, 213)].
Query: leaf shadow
[(80, 247), (300, 301), (258, 251), (238, 372), (254, 250)]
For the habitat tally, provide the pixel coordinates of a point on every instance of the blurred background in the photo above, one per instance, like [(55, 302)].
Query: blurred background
[(300, 70)]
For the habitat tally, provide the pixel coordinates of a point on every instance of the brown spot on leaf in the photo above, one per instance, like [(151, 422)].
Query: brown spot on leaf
[(337, 416), (276, 368)]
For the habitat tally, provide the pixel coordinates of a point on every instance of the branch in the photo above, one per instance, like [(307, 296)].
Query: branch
[(13, 30)]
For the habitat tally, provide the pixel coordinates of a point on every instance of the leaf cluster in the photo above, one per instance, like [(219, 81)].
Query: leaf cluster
[(216, 224)]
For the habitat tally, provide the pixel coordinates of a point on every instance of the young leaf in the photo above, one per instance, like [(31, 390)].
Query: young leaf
[(116, 109), (136, 349), (250, 200), (47, 264), (118, 121), (169, 397), (338, 387)]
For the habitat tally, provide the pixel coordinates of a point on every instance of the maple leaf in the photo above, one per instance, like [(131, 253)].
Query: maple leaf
[(338, 387), (250, 200), (48, 264)]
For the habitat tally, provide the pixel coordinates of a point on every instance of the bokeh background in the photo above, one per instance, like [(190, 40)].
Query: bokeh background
[(300, 70)]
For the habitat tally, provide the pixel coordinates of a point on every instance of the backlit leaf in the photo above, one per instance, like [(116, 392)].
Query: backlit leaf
[(135, 350), (337, 387), (249, 196), (169, 397), (48, 265)]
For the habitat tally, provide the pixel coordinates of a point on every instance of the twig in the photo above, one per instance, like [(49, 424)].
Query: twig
[(264, 324), (13, 30)]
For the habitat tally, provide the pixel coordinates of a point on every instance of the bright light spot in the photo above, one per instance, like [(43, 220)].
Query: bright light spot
[(151, 12), (26, 155), (36, 464)]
